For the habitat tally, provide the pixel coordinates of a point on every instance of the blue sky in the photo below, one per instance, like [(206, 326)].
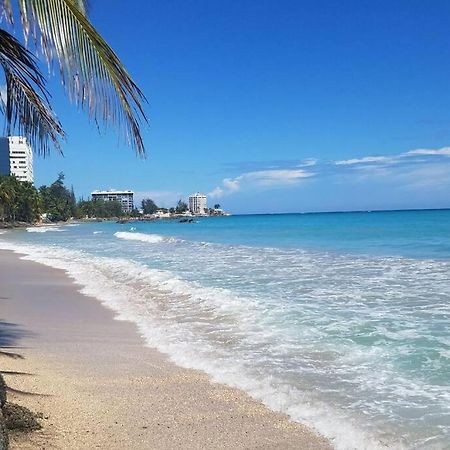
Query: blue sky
[(275, 106)]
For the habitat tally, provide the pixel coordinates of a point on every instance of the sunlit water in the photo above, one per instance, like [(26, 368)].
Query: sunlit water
[(340, 320)]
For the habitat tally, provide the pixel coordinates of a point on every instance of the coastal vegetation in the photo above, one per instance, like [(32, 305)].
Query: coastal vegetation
[(22, 202), (149, 206), (19, 201)]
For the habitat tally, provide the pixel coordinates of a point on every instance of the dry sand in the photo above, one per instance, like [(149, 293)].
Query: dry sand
[(98, 386)]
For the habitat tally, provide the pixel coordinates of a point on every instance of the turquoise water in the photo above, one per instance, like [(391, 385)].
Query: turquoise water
[(340, 320)]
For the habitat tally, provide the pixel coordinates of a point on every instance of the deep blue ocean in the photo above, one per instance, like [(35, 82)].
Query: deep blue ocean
[(341, 320)]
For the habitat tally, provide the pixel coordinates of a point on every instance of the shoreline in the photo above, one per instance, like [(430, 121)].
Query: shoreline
[(102, 387)]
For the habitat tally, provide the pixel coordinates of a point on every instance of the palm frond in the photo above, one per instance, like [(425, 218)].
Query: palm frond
[(7, 11), (94, 77), (27, 110)]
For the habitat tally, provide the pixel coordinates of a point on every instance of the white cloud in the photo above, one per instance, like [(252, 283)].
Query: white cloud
[(408, 167), (364, 160), (445, 151), (216, 192), (231, 185), (261, 178), (277, 177), (309, 162)]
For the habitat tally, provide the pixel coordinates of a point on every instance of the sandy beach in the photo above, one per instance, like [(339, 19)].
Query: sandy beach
[(98, 386)]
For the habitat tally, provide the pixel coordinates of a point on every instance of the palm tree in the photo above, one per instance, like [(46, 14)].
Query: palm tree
[(91, 72), (7, 197)]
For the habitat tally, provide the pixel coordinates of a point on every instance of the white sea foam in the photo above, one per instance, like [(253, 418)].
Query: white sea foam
[(97, 232), (143, 237), (181, 318), (44, 229)]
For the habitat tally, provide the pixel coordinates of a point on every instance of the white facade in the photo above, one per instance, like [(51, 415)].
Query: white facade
[(125, 198), (197, 203), (16, 158)]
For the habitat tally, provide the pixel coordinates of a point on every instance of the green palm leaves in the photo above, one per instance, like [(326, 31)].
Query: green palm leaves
[(26, 109), (91, 72)]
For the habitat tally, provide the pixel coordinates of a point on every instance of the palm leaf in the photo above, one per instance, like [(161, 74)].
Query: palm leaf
[(7, 10), (92, 73), (27, 110)]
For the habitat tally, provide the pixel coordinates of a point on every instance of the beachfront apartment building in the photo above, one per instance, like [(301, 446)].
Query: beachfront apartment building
[(125, 198), (197, 203), (16, 158)]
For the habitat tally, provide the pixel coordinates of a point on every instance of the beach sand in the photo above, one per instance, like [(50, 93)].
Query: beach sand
[(98, 386)]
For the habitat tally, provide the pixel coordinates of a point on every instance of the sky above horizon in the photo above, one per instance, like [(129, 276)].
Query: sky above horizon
[(274, 106)]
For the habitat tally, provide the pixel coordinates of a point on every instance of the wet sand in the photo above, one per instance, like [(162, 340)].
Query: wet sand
[(98, 386)]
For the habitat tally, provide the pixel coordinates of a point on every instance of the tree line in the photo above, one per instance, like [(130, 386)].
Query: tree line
[(22, 202), (150, 207)]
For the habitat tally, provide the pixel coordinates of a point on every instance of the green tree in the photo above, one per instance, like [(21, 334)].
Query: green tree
[(73, 203), (217, 206), (181, 207), (149, 206), (19, 201), (91, 72), (7, 197), (28, 207), (57, 200)]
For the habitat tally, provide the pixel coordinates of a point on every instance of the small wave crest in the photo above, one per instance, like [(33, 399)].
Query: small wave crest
[(142, 237), (43, 229)]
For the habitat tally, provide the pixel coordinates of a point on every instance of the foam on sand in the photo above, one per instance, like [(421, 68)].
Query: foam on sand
[(197, 326)]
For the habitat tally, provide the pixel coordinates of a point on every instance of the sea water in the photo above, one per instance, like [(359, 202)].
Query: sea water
[(340, 320)]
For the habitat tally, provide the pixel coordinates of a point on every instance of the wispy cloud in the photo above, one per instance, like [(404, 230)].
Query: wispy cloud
[(411, 168), (364, 160), (445, 151), (260, 178), (309, 162)]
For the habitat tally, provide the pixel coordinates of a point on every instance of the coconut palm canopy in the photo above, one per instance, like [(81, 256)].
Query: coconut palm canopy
[(60, 32)]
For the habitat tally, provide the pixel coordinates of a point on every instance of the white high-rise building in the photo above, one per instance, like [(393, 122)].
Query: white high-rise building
[(16, 158), (197, 203), (125, 198)]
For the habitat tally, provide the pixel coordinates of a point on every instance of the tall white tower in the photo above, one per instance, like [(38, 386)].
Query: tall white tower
[(16, 158), (197, 203)]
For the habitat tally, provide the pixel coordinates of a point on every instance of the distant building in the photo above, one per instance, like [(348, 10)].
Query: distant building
[(197, 203), (125, 198), (16, 158)]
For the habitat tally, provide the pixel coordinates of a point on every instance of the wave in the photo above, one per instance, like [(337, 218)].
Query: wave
[(142, 237), (43, 229), (97, 232), (198, 327)]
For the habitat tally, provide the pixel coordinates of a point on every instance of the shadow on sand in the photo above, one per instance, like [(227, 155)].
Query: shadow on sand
[(10, 335)]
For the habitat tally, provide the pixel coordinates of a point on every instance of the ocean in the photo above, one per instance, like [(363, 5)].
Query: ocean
[(341, 320)]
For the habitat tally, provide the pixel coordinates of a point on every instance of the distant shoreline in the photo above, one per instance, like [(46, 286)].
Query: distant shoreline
[(362, 211)]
